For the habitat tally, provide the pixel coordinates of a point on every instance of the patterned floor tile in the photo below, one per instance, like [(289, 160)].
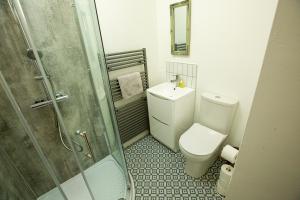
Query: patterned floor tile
[(158, 174)]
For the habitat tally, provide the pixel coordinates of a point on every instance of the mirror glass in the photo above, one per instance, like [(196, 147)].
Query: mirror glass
[(180, 28), (180, 14)]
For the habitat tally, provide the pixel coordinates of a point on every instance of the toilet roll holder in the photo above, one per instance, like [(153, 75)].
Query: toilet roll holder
[(229, 154)]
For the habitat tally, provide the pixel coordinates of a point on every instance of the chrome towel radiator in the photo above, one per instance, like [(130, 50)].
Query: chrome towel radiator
[(132, 116)]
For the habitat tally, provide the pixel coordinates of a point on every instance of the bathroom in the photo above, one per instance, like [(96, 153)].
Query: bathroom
[(213, 117)]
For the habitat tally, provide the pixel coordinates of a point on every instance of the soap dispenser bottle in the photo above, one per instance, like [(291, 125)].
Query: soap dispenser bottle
[(181, 84)]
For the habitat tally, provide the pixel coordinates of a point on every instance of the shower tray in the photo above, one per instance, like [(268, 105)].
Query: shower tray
[(105, 178)]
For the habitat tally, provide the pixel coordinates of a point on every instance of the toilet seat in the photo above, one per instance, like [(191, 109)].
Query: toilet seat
[(200, 140)]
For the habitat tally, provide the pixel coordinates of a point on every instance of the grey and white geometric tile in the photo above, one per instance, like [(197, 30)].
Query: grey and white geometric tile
[(158, 173)]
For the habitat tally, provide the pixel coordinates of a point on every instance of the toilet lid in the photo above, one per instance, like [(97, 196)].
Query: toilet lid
[(200, 140)]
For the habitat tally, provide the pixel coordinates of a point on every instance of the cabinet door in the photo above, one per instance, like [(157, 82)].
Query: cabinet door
[(160, 108), (163, 133)]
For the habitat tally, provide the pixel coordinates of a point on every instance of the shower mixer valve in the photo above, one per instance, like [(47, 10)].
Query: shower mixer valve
[(59, 97)]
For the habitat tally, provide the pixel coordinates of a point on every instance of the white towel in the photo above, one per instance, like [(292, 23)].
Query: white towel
[(130, 84)]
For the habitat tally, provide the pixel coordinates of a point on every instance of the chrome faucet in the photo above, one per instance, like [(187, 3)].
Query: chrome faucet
[(175, 80)]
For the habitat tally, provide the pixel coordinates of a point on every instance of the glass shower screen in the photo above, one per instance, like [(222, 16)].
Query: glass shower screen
[(54, 77)]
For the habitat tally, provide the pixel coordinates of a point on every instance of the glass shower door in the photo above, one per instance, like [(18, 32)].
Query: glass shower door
[(65, 47), (92, 42), (25, 172)]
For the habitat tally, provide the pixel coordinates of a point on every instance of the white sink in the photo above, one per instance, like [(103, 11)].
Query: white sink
[(171, 112), (169, 91)]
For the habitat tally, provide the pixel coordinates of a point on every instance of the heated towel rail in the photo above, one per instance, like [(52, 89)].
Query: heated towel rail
[(132, 117)]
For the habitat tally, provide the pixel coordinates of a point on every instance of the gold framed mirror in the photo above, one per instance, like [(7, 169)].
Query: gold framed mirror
[(180, 27)]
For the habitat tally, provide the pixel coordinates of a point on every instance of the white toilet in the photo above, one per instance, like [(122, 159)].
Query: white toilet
[(200, 144)]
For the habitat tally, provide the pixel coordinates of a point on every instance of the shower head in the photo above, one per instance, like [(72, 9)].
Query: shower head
[(30, 54)]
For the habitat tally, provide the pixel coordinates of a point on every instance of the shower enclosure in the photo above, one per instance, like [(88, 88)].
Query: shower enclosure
[(59, 138)]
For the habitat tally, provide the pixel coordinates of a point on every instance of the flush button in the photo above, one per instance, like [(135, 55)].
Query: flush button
[(217, 97)]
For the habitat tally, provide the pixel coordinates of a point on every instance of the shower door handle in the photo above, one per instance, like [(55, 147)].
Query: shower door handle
[(83, 134)]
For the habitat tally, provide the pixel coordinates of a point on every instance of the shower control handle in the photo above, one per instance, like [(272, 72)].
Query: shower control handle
[(43, 103)]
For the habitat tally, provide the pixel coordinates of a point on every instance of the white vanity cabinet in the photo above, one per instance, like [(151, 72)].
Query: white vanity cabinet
[(171, 112)]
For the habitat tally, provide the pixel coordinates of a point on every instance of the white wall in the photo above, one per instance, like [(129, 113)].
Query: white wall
[(268, 165), (228, 42), (129, 25)]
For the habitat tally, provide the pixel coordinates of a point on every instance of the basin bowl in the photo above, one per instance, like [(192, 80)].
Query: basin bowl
[(169, 91)]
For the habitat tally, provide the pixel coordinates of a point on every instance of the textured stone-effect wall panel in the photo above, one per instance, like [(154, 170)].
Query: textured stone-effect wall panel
[(15, 187), (56, 35)]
